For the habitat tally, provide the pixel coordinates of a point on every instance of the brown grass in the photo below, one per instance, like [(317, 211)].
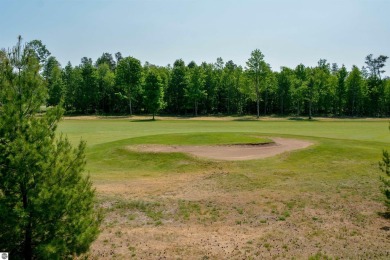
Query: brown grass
[(192, 217)]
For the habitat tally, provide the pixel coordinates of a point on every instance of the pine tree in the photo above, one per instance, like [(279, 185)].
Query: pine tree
[(385, 167), (194, 91), (46, 204)]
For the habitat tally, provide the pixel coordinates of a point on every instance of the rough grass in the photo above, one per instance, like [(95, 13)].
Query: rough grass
[(322, 202)]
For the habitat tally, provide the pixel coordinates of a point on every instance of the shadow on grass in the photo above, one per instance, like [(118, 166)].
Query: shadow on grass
[(385, 215), (144, 120), (247, 119), (302, 119)]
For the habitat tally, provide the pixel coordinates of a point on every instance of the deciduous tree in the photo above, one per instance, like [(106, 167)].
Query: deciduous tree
[(129, 75), (39, 49), (154, 95)]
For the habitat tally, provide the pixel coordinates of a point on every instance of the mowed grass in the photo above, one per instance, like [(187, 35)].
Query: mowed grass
[(210, 138), (108, 130), (322, 201), (108, 157)]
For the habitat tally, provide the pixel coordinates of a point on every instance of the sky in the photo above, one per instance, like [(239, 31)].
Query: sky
[(288, 32)]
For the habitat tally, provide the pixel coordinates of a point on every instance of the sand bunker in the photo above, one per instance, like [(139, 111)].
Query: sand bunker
[(230, 152)]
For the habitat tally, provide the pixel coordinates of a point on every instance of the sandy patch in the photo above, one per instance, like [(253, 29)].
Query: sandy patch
[(229, 152)]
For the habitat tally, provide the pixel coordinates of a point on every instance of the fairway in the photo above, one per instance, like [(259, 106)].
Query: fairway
[(320, 201)]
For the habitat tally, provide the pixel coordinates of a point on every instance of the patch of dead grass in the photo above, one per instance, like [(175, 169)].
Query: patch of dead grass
[(199, 220)]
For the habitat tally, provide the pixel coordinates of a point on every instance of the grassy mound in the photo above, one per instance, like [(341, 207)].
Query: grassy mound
[(113, 160), (201, 139)]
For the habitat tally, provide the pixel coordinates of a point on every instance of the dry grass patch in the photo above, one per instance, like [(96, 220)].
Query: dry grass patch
[(193, 218)]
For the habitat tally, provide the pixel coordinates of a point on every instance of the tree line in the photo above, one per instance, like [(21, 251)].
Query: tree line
[(123, 85)]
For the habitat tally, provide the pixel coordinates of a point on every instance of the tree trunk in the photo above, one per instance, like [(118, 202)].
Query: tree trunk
[(196, 108), (258, 106), (265, 102), (27, 242), (153, 115), (281, 105), (228, 101), (27, 250), (257, 97), (310, 109), (130, 110)]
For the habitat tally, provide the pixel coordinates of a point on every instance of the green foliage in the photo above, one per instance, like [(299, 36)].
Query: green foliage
[(53, 75), (153, 92), (355, 92), (39, 49), (222, 88), (341, 89), (128, 75), (106, 83), (194, 91), (385, 167), (107, 59), (258, 70), (46, 205), (178, 83), (85, 94), (285, 81)]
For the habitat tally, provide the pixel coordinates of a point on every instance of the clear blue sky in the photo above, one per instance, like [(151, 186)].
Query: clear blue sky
[(161, 31)]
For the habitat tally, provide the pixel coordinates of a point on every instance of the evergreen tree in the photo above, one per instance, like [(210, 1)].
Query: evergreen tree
[(53, 75), (220, 87), (284, 78), (178, 82), (354, 84), (341, 90), (375, 84), (106, 58), (385, 167), (87, 86), (210, 102), (70, 79), (257, 70), (194, 92), (299, 87), (46, 205)]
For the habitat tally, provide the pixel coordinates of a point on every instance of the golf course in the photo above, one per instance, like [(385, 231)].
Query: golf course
[(166, 191)]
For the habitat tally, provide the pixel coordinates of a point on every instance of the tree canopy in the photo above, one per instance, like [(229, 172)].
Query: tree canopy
[(114, 84)]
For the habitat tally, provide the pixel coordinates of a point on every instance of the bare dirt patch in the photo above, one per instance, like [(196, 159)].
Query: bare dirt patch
[(230, 152)]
